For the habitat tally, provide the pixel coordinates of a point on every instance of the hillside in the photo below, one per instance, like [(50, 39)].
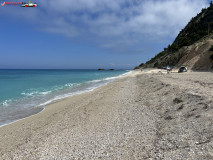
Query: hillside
[(191, 47)]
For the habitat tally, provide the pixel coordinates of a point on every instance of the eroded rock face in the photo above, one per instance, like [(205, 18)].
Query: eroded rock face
[(198, 56), (195, 57)]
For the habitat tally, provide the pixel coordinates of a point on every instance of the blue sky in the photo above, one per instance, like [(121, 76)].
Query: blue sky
[(90, 33)]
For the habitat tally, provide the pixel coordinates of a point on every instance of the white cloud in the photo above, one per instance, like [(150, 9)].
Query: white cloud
[(115, 24)]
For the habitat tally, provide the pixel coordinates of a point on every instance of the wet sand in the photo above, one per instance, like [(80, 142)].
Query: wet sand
[(145, 115)]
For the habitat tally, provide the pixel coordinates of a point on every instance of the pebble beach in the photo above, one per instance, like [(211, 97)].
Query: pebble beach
[(143, 115)]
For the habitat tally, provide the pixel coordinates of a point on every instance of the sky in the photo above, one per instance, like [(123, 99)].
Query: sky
[(90, 34)]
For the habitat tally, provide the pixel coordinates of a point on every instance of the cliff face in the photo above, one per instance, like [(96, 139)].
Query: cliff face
[(191, 46), (195, 57)]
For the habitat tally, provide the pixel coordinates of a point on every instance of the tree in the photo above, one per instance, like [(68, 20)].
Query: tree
[(174, 47), (141, 65)]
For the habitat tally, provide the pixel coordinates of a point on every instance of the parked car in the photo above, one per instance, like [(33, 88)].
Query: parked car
[(182, 69), (168, 68)]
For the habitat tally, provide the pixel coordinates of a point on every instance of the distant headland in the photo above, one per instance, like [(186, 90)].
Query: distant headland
[(102, 69)]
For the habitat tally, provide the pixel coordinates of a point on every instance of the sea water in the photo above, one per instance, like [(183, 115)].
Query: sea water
[(26, 92)]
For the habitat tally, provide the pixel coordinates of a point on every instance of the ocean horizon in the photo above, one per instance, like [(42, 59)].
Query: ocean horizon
[(25, 92)]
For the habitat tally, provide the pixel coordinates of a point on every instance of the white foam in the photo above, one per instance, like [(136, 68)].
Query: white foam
[(70, 84), (35, 93), (95, 81), (6, 102), (88, 89)]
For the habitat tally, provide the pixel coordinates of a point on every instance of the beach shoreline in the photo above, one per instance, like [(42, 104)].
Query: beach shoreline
[(42, 106), (137, 116)]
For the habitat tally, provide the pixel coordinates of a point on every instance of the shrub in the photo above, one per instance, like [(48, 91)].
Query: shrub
[(211, 48), (141, 65), (156, 64), (211, 56), (136, 68)]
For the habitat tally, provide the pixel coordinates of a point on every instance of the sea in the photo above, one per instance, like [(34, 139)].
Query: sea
[(26, 92)]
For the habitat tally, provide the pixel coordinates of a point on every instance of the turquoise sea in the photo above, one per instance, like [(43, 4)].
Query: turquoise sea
[(26, 92)]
